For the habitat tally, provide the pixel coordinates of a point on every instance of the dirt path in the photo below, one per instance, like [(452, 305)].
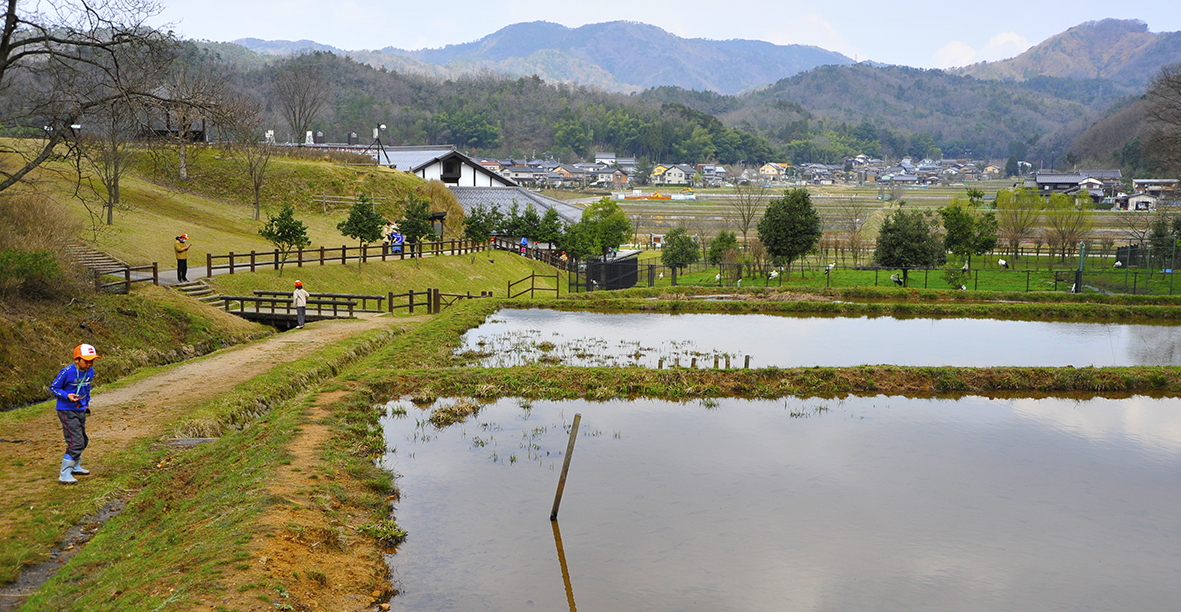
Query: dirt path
[(146, 407)]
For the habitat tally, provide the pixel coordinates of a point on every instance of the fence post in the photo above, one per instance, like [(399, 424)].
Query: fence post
[(390, 303), (321, 256), (156, 275), (276, 259), (1027, 281), (364, 253), (438, 300), (411, 301), (300, 260), (252, 260), (209, 264), (231, 262), (532, 285), (344, 255), (127, 279)]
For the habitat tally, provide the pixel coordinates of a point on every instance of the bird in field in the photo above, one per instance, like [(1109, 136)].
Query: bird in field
[(829, 267), (1002, 263), (661, 277), (718, 276), (897, 281), (965, 268), (774, 274), (1118, 264), (740, 283)]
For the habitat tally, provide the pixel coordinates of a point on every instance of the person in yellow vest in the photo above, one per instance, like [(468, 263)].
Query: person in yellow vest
[(182, 258)]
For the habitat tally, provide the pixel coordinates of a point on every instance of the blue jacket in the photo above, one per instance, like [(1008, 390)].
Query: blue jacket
[(71, 380)]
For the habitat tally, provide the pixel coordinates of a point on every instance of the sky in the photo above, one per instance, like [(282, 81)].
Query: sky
[(920, 35)]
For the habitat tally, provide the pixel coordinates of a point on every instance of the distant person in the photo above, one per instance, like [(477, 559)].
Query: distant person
[(71, 387), (524, 245), (300, 298), (182, 258)]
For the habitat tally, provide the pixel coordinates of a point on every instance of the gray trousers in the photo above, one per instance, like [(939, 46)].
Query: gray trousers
[(300, 312), (74, 430)]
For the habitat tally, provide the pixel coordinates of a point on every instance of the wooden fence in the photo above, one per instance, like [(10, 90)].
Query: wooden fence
[(124, 285), (343, 254), (433, 300), (533, 288), (356, 297)]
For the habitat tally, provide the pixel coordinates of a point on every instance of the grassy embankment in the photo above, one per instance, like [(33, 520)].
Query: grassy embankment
[(192, 514)]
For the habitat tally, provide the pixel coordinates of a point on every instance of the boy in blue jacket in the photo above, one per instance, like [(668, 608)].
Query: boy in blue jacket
[(72, 389)]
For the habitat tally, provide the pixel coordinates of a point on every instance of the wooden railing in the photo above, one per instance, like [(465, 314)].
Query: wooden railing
[(124, 285), (432, 299), (279, 305), (364, 299), (533, 288), (343, 254)]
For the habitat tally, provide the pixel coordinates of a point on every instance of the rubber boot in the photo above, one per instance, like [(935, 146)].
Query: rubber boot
[(67, 475), (78, 469)]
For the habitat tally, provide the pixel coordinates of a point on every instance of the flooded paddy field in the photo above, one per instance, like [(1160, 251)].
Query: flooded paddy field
[(520, 337), (866, 503)]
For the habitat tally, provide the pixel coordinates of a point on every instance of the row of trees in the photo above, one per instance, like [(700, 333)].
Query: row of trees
[(364, 224)]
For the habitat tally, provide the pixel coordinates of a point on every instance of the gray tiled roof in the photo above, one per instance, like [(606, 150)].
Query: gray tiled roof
[(503, 197), (411, 158)]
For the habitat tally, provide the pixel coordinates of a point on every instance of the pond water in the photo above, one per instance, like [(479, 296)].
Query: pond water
[(518, 337), (867, 503)]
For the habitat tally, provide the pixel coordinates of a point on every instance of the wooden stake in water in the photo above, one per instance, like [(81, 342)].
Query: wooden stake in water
[(553, 515)]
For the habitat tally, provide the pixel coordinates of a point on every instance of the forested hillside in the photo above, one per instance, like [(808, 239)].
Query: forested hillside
[(1122, 51), (820, 115)]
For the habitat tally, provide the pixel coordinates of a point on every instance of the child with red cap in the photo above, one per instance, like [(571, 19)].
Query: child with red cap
[(72, 389), (300, 298)]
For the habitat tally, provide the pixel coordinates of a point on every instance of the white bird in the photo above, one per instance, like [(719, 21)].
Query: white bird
[(1002, 263), (1118, 265), (740, 283), (965, 268), (963, 288), (829, 268), (661, 275), (773, 274), (897, 281), (718, 276)]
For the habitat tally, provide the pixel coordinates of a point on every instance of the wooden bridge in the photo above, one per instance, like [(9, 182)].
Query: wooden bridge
[(275, 308)]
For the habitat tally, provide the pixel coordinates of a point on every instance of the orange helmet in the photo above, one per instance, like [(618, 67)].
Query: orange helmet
[(298, 283), (85, 351)]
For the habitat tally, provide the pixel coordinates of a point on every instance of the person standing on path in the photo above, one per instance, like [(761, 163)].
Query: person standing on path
[(300, 298), (71, 387), (182, 258)]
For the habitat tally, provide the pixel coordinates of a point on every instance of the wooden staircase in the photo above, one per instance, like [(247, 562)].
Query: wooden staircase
[(94, 260), (198, 290)]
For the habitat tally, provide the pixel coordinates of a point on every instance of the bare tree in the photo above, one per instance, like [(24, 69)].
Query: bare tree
[(749, 200), (1164, 114), (247, 145), (851, 216), (59, 60), (302, 92), (106, 149), (1017, 214), (193, 93)]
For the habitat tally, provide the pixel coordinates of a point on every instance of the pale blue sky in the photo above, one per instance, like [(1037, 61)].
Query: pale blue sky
[(928, 35)]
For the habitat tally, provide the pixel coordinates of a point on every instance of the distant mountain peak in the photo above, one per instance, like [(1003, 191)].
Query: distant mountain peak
[(1122, 50)]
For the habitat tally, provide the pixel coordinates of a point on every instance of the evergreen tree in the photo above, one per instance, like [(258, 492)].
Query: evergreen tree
[(363, 225), (416, 221), (285, 232), (907, 240), (679, 250), (551, 227), (724, 242), (790, 227), (481, 223)]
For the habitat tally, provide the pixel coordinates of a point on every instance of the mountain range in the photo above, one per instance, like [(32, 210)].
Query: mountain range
[(1042, 102), (619, 56)]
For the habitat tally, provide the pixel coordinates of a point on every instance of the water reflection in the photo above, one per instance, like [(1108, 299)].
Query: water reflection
[(882, 503), (517, 337)]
